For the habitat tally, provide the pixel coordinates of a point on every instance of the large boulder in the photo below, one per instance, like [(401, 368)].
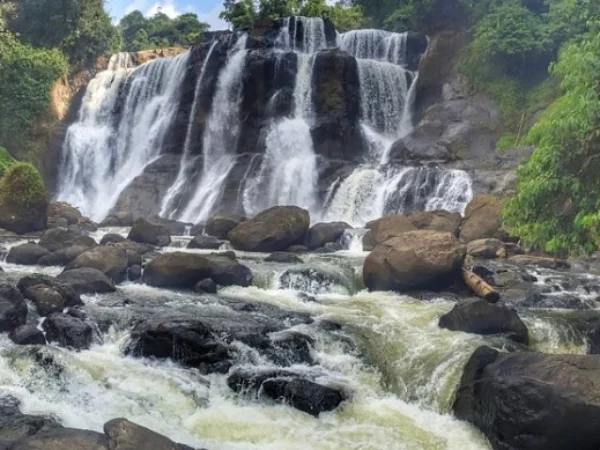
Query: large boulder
[(323, 233), (23, 202), (27, 335), (391, 226), (414, 260), (307, 396), (481, 317), (185, 270), (63, 439), (272, 230), (532, 401), (69, 295), (486, 248), (64, 256), (149, 233), (47, 299), (125, 435), (13, 311), (482, 218), (203, 241), (27, 254), (63, 211), (87, 280), (111, 260), (219, 226), (68, 331), (61, 238), (436, 221)]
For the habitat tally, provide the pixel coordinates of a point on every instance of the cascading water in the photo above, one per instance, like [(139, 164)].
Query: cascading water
[(105, 149), (220, 137)]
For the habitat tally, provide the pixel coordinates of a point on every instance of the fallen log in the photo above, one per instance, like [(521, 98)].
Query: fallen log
[(480, 287)]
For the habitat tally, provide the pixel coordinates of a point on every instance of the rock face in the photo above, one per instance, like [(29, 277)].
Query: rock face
[(272, 230), (110, 260), (148, 233), (481, 317), (482, 219), (414, 260), (532, 401)]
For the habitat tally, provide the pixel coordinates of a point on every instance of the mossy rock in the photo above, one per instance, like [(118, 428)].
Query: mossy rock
[(23, 201), (6, 161)]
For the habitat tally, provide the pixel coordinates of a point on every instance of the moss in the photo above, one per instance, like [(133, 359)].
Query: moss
[(22, 186), (6, 161), (507, 141)]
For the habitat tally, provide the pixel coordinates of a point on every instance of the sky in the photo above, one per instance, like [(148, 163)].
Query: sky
[(207, 10)]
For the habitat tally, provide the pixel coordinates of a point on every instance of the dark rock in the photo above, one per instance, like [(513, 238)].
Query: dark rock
[(175, 227), (125, 435), (207, 286), (532, 401), (482, 219), (15, 425), (69, 295), (333, 247), (272, 230), (63, 211), (27, 254), (13, 312), (47, 299), (148, 233), (226, 272), (111, 238), (220, 226), (60, 239), (63, 257), (68, 331), (203, 241), (27, 335), (134, 273), (63, 439), (297, 249), (290, 347), (283, 257), (309, 397), (111, 260), (481, 317), (87, 280), (486, 248), (323, 233)]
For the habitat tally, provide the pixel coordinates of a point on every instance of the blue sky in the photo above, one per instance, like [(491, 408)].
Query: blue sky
[(207, 10)]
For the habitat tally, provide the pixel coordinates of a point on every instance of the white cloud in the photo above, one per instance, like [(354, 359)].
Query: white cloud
[(138, 5), (166, 7)]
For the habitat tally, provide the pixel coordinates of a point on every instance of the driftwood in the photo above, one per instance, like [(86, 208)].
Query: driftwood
[(480, 287)]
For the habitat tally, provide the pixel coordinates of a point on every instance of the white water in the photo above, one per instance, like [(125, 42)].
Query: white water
[(169, 203), (220, 138), (308, 32), (103, 154)]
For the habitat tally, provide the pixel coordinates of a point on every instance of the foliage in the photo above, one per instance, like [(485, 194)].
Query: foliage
[(6, 161), (558, 197), (141, 33), (242, 13), (22, 186), (80, 28)]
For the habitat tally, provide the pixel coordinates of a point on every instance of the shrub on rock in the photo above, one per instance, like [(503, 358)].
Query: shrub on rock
[(23, 202), (272, 230)]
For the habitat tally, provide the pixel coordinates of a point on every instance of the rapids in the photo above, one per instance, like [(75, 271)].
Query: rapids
[(385, 350)]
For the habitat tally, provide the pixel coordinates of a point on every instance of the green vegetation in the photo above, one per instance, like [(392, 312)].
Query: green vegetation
[(242, 13), (141, 33), (23, 187), (6, 161)]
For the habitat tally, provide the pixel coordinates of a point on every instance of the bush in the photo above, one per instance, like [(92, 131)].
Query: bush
[(22, 186), (6, 161)]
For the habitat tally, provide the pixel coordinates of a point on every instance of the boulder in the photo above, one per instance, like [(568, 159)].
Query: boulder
[(324, 233), (207, 286), (111, 260), (202, 241), (272, 230), (63, 439), (46, 299), (185, 270), (414, 260), (69, 295), (27, 335), (111, 238), (307, 396), (540, 261), (63, 257), (125, 435), (13, 312), (284, 258), (482, 317), (134, 273), (68, 331), (27, 254), (220, 226), (532, 401), (64, 211), (149, 233), (436, 221), (387, 227), (368, 241), (486, 248), (482, 218), (118, 219), (87, 280), (60, 239)]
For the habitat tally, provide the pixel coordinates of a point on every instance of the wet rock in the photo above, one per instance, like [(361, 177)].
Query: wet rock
[(68, 331), (108, 259), (333, 247), (148, 233), (593, 340), (134, 273), (63, 211), (27, 335), (175, 227), (219, 226), (207, 286), (437, 221), (63, 257), (15, 426), (368, 241), (118, 219), (481, 317), (13, 312), (60, 239), (133, 258), (272, 230), (532, 401), (203, 241), (297, 249), (545, 262), (63, 439), (226, 272), (125, 435), (323, 233), (87, 280), (47, 300), (284, 258), (26, 254), (135, 247), (482, 219), (70, 296), (413, 260), (290, 347), (309, 397), (111, 238), (388, 227), (486, 248)]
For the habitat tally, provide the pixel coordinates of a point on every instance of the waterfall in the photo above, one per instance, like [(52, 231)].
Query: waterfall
[(302, 34), (220, 137), (169, 203), (113, 140)]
